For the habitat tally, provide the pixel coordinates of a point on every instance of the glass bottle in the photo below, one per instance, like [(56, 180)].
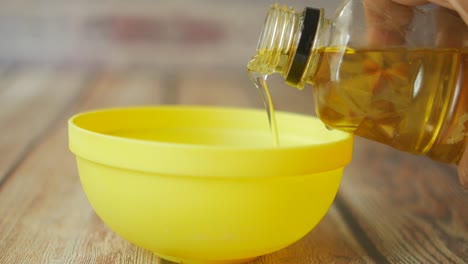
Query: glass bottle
[(387, 72)]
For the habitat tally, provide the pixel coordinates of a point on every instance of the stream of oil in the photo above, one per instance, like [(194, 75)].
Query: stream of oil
[(260, 81)]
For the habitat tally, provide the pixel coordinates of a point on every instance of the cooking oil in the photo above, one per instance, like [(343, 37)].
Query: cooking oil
[(415, 100), (408, 89), (260, 82)]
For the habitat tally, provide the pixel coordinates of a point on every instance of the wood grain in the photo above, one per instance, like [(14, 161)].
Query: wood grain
[(391, 208), (401, 208), (411, 208), (331, 241), (44, 215), (31, 100)]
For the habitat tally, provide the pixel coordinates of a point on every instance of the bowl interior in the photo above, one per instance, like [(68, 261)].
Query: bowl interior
[(208, 141), (206, 184)]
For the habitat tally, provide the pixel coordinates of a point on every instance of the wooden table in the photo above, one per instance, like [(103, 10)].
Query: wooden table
[(64, 57), (391, 208)]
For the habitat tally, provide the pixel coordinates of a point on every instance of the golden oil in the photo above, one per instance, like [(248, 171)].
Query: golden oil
[(407, 90), (415, 100), (260, 82)]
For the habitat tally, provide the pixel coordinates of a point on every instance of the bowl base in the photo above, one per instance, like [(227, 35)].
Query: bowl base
[(173, 260)]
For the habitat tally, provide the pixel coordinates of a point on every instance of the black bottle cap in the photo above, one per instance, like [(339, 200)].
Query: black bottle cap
[(311, 19)]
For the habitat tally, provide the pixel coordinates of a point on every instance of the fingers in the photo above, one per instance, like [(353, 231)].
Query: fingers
[(463, 170), (411, 2), (444, 3), (449, 22), (461, 6), (387, 22)]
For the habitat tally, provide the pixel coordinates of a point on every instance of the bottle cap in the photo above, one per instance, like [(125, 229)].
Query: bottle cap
[(308, 34)]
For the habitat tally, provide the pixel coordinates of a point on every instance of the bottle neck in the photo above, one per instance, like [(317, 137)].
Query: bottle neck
[(287, 42)]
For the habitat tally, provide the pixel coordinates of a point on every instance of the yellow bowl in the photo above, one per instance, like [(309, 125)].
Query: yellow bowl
[(206, 184)]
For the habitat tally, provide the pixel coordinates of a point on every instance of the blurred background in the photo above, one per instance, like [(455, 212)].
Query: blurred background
[(60, 57), (162, 33), (174, 39)]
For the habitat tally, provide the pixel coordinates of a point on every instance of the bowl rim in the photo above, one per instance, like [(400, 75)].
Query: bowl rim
[(72, 125), (343, 141)]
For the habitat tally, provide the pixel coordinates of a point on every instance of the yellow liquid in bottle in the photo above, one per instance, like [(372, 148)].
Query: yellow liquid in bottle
[(400, 97), (260, 81)]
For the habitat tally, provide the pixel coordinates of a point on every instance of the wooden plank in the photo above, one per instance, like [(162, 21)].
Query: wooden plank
[(331, 241), (411, 208), (30, 101), (44, 214), (75, 235), (386, 192)]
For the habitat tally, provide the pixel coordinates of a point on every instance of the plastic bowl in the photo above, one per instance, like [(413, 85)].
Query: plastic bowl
[(207, 184)]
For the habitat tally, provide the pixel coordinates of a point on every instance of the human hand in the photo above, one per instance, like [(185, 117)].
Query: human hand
[(388, 22), (461, 7)]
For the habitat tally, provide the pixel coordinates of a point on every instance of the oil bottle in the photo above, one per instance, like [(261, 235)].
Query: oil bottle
[(387, 72)]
